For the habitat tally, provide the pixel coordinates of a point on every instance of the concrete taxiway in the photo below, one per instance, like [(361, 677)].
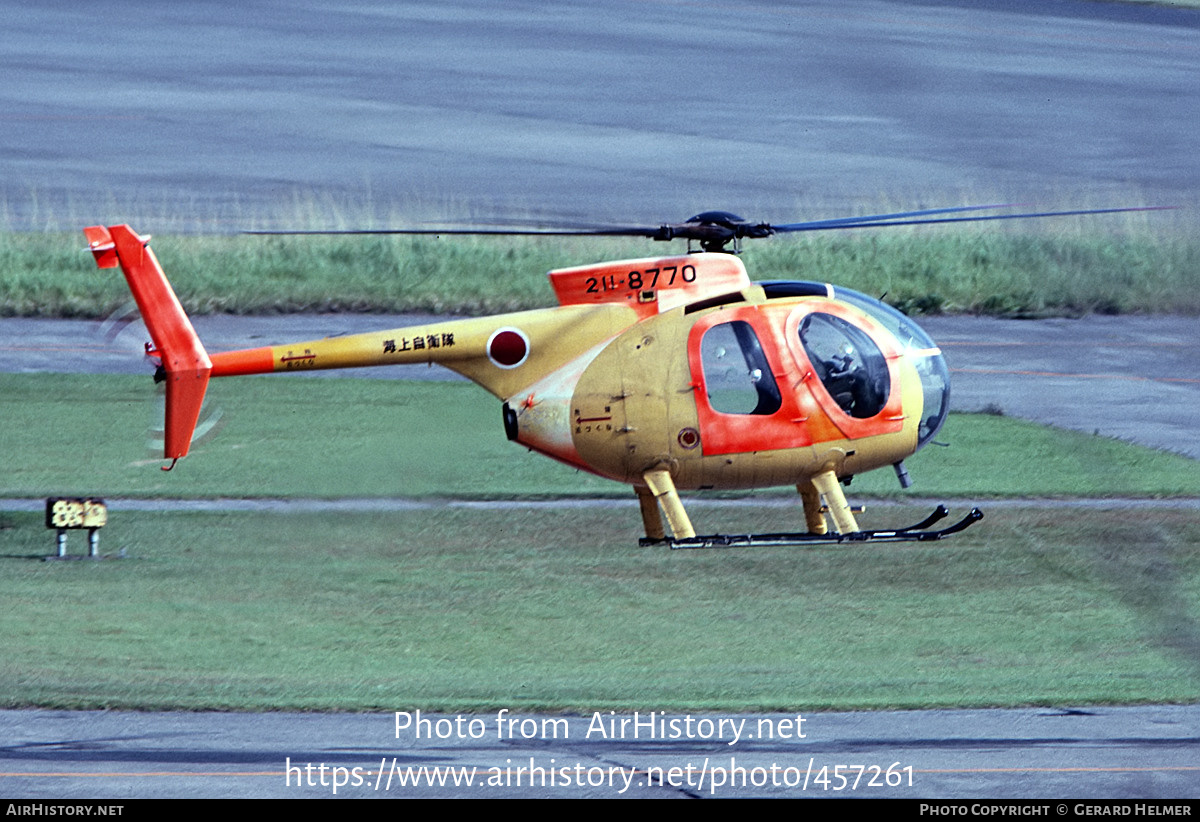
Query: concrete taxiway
[(1100, 753), (606, 111)]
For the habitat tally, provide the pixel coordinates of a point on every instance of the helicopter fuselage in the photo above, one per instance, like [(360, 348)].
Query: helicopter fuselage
[(664, 373), (725, 398)]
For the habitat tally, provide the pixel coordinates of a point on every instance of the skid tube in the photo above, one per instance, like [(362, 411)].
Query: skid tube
[(917, 532)]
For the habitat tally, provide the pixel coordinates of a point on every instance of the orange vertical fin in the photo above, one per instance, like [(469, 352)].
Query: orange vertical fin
[(184, 360)]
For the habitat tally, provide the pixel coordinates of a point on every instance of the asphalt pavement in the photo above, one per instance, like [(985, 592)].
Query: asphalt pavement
[(1123, 753), (191, 115)]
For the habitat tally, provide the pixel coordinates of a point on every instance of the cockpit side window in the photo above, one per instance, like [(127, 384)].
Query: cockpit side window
[(848, 363), (736, 374)]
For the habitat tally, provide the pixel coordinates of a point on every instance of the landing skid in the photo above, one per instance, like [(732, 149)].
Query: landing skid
[(914, 533)]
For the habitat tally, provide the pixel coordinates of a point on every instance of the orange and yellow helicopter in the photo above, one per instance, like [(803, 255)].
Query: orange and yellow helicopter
[(666, 373)]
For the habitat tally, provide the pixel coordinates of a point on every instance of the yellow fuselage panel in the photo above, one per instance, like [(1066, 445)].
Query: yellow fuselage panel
[(635, 408), (641, 381)]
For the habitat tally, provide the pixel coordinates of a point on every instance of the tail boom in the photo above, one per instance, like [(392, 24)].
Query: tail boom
[(502, 354)]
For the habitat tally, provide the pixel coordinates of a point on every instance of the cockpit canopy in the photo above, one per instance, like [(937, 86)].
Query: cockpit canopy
[(862, 391)]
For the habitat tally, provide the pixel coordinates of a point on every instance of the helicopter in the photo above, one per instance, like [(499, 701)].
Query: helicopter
[(665, 373)]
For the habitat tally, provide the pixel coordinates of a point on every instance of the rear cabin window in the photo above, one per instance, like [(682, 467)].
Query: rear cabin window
[(736, 374)]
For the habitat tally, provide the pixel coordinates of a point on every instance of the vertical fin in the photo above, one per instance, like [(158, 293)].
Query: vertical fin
[(184, 360)]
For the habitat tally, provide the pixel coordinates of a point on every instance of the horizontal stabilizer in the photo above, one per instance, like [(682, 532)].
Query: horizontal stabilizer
[(101, 245)]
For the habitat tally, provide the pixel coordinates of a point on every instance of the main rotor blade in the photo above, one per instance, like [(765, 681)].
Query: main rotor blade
[(619, 231), (901, 219), (844, 222)]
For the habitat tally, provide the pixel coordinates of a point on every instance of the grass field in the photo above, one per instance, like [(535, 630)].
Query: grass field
[(1141, 262), (442, 606), (458, 610), (294, 437)]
